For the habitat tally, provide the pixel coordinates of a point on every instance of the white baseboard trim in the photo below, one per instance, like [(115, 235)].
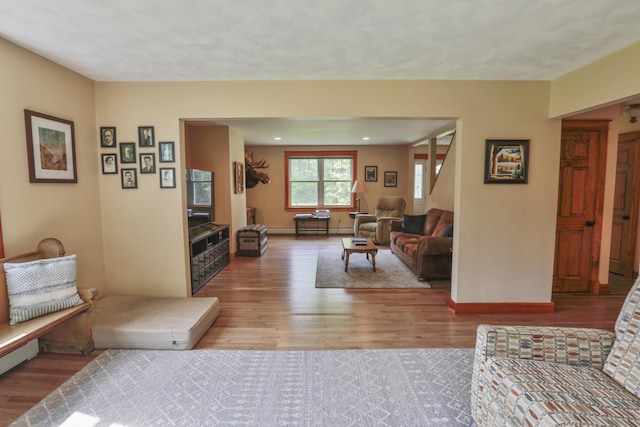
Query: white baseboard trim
[(292, 231), (21, 355)]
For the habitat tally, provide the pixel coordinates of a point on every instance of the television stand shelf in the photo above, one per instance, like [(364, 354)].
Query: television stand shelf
[(209, 247)]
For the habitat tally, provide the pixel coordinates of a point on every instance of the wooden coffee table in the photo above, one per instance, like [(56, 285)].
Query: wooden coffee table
[(348, 247)]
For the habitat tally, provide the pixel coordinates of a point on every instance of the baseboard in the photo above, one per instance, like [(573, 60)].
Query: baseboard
[(19, 356), (501, 307)]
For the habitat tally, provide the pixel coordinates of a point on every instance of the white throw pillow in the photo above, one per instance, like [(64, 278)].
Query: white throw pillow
[(40, 287)]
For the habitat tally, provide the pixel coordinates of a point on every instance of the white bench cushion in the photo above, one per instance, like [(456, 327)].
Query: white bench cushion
[(124, 321)]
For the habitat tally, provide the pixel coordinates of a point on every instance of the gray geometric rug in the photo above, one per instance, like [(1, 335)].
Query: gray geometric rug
[(399, 387), (390, 272)]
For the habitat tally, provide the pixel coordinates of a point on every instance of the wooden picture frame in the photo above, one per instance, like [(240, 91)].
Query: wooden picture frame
[(239, 177), (129, 178), (127, 152), (166, 152), (371, 173), (390, 179), (109, 164), (51, 149), (147, 162), (108, 137), (506, 161), (146, 136), (167, 177)]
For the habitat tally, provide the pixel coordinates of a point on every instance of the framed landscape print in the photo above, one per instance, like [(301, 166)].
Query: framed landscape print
[(371, 173), (506, 161), (51, 149)]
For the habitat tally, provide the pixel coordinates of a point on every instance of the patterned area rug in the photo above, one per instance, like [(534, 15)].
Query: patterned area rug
[(391, 272), (400, 387)]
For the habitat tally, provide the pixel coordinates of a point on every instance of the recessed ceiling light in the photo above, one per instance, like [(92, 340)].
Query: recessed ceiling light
[(365, 138), (277, 138)]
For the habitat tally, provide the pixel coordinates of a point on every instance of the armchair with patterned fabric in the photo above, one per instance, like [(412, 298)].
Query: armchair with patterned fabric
[(376, 226), (549, 376)]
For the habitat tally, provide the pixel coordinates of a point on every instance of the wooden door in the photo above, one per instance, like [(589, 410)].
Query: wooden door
[(580, 201), (625, 206)]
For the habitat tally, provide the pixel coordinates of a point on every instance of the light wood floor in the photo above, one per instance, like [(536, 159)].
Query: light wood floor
[(270, 302)]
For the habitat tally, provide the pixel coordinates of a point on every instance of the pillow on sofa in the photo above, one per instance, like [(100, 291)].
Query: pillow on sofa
[(40, 287), (448, 232), (413, 224)]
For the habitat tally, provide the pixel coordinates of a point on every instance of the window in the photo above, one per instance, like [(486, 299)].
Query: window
[(320, 179)]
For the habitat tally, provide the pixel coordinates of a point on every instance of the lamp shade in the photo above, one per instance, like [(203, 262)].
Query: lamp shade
[(358, 187)]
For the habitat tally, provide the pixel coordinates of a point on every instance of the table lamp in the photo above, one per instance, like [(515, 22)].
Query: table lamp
[(358, 187)]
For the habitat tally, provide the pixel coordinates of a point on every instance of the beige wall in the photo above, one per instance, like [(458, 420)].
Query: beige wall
[(494, 214), (31, 212)]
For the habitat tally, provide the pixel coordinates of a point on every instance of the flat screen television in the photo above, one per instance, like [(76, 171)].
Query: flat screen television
[(200, 197)]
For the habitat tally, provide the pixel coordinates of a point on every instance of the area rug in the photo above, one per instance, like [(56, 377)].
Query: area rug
[(394, 387), (390, 272)]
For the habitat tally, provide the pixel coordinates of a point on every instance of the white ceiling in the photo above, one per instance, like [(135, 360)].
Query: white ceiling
[(169, 40)]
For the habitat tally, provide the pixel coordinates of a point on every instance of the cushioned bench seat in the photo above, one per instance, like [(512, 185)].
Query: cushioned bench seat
[(123, 321)]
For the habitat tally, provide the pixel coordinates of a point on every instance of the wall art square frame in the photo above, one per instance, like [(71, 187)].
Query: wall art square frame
[(370, 173), (167, 177), (167, 152), (506, 161), (146, 136), (390, 178), (134, 180), (127, 152), (104, 143), (51, 148), (109, 168), (143, 168), (238, 167)]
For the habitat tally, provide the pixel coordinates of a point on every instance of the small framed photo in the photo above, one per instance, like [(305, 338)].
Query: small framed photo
[(146, 136), (147, 163), (390, 179), (167, 177), (129, 178), (167, 152), (371, 173), (239, 175), (108, 137), (51, 149), (109, 164), (506, 161), (127, 152)]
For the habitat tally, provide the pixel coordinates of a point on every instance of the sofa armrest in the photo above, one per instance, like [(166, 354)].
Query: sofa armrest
[(573, 346), (395, 225), (432, 245), (88, 295)]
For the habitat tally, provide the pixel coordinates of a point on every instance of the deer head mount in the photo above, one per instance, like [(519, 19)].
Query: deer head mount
[(252, 174)]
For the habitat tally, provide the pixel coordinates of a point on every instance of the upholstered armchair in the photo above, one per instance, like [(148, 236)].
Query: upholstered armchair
[(376, 226)]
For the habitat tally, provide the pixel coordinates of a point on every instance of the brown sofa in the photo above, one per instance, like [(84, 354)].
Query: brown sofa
[(428, 254)]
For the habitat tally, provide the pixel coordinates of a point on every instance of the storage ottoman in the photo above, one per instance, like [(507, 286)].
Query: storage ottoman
[(252, 240), (123, 321)]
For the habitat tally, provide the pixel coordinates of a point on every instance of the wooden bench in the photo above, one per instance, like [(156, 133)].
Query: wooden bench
[(65, 331)]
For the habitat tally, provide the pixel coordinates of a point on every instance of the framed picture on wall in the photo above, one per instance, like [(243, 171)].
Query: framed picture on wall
[(371, 173), (146, 136), (167, 177), (51, 149), (108, 137), (239, 175), (127, 152), (147, 163), (167, 152), (506, 161), (109, 165), (390, 179), (129, 178)]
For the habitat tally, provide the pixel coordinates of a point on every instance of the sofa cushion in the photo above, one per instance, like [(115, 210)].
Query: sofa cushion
[(39, 287), (525, 392), (413, 224), (448, 232)]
